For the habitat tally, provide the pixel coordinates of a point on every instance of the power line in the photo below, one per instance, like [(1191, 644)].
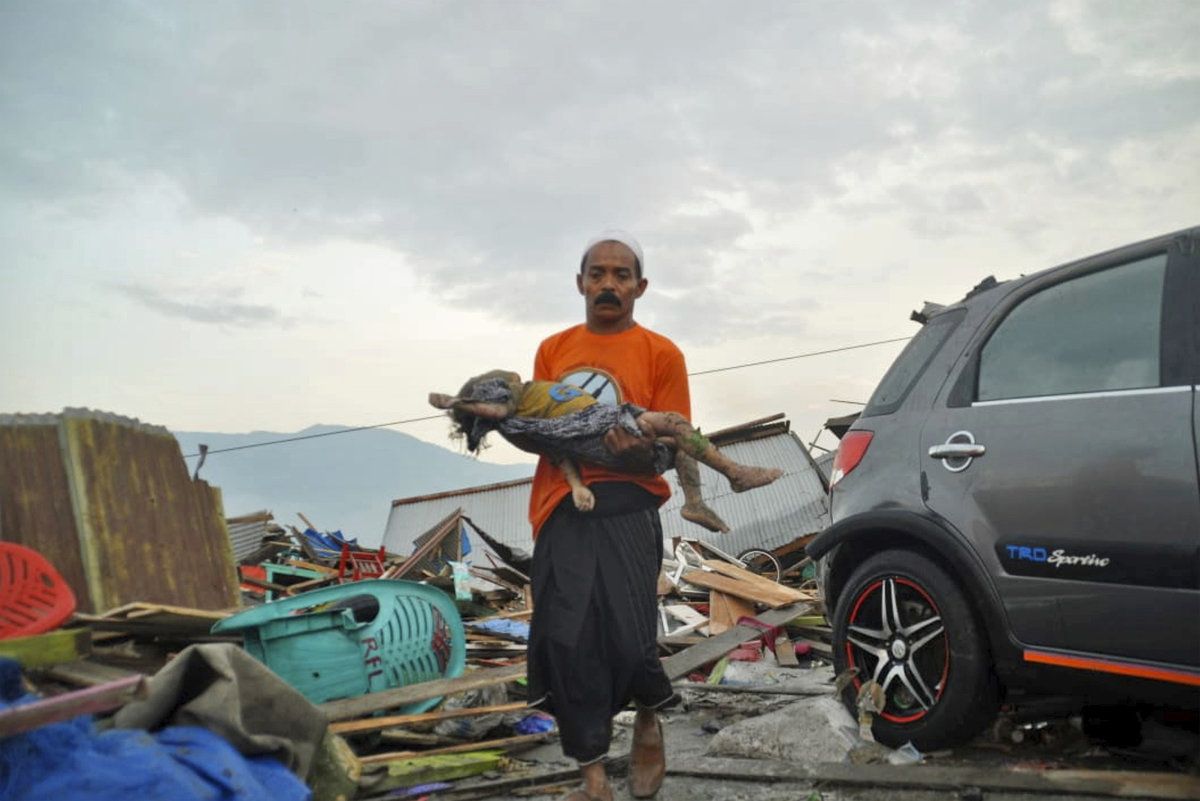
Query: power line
[(439, 416), (799, 356), (315, 436)]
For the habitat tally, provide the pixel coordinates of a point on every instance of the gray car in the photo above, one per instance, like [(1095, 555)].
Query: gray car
[(1017, 509)]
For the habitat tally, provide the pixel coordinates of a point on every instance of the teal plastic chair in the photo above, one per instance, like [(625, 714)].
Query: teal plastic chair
[(356, 638)]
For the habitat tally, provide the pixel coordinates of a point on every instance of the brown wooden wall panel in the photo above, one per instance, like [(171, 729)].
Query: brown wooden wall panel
[(35, 498), (150, 532)]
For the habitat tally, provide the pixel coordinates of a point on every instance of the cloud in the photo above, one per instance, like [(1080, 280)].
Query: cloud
[(485, 142), (214, 311)]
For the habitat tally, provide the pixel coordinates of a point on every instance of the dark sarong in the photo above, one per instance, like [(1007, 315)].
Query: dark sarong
[(592, 646)]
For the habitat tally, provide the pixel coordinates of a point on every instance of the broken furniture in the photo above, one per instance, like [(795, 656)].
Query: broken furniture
[(356, 638)]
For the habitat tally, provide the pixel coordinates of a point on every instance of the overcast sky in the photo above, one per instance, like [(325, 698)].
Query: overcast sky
[(258, 215)]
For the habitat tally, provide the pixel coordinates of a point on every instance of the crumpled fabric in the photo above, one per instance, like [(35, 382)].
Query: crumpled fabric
[(220, 687), (578, 435), (72, 760)]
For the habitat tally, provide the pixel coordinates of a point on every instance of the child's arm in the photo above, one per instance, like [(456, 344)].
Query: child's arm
[(488, 411), (580, 494)]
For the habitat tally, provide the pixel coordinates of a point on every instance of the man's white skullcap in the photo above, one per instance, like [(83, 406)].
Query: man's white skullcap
[(617, 235)]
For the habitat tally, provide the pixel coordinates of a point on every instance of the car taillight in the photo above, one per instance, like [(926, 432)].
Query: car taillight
[(849, 453)]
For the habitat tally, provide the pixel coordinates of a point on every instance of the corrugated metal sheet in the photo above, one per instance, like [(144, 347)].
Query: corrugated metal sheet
[(502, 510), (767, 517), (146, 531), (825, 464), (35, 498), (246, 533)]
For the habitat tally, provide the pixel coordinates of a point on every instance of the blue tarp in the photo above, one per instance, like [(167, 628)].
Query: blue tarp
[(72, 760), (329, 542), (517, 629)]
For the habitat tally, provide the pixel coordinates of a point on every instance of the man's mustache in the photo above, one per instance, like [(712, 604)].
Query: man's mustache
[(607, 298)]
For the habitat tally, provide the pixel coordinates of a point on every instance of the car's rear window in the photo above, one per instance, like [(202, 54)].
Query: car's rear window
[(904, 372)]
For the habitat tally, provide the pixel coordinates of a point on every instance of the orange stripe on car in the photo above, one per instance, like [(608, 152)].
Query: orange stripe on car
[(1109, 666)]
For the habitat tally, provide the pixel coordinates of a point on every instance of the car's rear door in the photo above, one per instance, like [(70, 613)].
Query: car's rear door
[(1078, 397)]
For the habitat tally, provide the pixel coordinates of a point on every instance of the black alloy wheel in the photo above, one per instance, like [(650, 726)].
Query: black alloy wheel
[(905, 624)]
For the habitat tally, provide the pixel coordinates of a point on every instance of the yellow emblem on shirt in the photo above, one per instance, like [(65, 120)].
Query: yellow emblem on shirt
[(551, 399)]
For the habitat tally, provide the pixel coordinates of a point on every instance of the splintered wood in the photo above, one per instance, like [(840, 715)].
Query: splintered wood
[(741, 583)]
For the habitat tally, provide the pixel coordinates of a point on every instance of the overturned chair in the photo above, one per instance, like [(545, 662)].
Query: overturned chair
[(356, 638)]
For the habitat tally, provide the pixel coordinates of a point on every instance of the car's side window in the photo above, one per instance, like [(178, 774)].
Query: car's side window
[(1097, 332)]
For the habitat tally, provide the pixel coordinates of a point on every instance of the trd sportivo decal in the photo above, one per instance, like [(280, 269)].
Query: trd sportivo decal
[(1115, 563), (1058, 557)]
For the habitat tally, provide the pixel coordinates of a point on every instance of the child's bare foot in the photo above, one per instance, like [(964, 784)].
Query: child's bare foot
[(584, 500), (743, 478), (700, 513)]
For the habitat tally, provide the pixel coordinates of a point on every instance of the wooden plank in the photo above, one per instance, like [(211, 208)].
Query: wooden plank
[(502, 744), (1042, 783), (86, 673), (375, 724), (742, 589), (51, 648), (16, 719), (686, 661), (1116, 784), (785, 652), (614, 766), (347, 708), (768, 586), (725, 611), (751, 689), (428, 769)]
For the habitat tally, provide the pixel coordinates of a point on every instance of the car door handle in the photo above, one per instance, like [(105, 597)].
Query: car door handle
[(957, 450)]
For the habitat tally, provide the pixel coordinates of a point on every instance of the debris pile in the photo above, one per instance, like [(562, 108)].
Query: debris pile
[(413, 666)]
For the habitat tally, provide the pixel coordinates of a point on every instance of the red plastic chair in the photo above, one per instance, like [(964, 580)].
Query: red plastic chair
[(34, 598), (361, 564)]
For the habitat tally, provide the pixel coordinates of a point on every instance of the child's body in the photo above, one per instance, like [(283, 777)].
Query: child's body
[(566, 424)]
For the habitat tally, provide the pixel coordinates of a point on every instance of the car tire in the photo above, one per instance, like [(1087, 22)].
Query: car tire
[(921, 645)]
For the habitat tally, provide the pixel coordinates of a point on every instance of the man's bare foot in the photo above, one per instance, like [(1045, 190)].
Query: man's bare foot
[(743, 478), (440, 400), (584, 500), (700, 513)]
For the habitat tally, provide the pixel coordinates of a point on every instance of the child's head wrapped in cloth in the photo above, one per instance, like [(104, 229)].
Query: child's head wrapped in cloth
[(567, 425)]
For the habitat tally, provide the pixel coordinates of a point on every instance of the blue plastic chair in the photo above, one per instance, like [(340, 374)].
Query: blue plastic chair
[(356, 638)]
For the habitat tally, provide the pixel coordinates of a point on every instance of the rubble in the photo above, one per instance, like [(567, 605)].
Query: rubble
[(744, 641)]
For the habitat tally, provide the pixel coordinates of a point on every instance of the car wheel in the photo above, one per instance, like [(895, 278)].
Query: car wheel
[(905, 624)]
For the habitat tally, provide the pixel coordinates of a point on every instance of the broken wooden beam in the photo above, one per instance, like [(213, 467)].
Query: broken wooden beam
[(16, 719), (501, 744), (686, 661), (347, 708), (376, 724), (51, 648)]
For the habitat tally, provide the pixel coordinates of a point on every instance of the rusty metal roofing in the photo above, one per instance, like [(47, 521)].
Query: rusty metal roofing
[(765, 517), (116, 509)]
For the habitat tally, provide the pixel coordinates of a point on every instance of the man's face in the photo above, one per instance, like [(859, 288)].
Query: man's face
[(610, 284)]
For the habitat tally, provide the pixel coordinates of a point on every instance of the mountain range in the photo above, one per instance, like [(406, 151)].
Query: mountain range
[(345, 482)]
